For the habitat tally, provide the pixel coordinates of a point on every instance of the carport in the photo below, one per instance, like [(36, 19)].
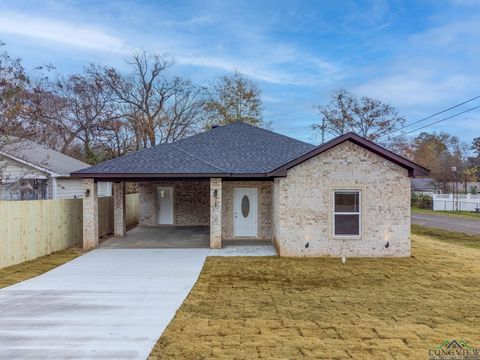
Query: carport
[(195, 212), (161, 237)]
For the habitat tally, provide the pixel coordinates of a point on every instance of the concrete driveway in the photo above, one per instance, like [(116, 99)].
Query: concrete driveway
[(110, 303), (107, 304), (447, 223)]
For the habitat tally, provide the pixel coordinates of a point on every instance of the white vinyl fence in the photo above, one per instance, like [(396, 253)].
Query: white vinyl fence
[(453, 202)]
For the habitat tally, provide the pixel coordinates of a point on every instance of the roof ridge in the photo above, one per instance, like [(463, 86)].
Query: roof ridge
[(271, 132), (196, 157)]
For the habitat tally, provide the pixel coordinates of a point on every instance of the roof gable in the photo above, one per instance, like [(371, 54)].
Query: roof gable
[(413, 168)]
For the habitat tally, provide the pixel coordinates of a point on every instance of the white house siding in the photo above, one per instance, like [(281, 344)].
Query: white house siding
[(303, 205), (13, 170), (73, 188)]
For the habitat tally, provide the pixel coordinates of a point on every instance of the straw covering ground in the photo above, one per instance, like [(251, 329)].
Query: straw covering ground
[(28, 269), (314, 308)]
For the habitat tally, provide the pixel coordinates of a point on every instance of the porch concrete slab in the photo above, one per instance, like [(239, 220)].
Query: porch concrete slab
[(106, 304), (161, 237), (244, 250)]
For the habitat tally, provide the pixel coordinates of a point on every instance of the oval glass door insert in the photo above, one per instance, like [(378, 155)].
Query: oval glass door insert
[(245, 206)]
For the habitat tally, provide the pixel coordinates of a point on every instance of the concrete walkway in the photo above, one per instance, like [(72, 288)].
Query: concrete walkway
[(106, 304), (448, 223)]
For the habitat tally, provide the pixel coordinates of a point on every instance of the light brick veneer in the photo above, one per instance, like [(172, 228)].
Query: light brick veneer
[(264, 207), (119, 209), (303, 205), (90, 214), (191, 202), (215, 213)]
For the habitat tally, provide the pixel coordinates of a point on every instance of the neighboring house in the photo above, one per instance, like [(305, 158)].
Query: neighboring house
[(347, 197), (425, 186), (30, 171)]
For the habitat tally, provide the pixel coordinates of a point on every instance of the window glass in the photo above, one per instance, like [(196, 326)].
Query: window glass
[(347, 224), (346, 202), (347, 213), (245, 206)]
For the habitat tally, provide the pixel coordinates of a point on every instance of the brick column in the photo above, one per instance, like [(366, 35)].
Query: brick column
[(215, 213), (90, 214), (119, 209)]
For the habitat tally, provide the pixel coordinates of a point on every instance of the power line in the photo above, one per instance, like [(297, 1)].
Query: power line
[(431, 116), (438, 121)]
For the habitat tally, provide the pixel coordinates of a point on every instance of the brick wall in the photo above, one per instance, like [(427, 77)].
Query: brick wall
[(303, 205), (264, 221), (191, 202)]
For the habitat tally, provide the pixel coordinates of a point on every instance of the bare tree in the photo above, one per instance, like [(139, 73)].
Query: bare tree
[(233, 98), (14, 84), (115, 139), (364, 116), (183, 112), (143, 94)]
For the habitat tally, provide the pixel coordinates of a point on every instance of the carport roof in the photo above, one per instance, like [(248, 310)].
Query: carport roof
[(235, 150)]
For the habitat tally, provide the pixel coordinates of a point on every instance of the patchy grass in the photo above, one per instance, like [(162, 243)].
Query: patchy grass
[(457, 238), (314, 308), (457, 214), (28, 269)]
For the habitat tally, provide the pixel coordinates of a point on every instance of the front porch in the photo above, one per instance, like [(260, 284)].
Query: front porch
[(186, 237), (185, 213)]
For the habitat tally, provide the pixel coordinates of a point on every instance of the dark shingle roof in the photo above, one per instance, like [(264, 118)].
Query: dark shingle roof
[(236, 149)]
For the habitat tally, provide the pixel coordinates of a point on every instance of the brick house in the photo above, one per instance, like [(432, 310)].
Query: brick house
[(348, 196)]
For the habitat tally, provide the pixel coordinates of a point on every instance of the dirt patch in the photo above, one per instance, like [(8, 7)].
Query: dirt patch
[(28, 269), (314, 308)]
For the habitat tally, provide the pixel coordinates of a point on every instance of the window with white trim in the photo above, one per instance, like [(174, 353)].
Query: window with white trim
[(346, 213)]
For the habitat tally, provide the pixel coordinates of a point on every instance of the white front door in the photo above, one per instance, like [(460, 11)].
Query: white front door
[(165, 205), (245, 212)]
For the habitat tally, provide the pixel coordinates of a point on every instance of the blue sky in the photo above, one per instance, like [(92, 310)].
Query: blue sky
[(419, 56)]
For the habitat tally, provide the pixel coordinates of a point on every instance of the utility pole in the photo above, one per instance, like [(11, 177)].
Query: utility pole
[(455, 188)]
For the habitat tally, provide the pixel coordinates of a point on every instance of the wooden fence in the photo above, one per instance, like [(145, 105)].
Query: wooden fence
[(30, 229)]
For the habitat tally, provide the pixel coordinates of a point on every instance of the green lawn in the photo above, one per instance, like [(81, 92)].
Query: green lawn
[(317, 308), (459, 214), (28, 269)]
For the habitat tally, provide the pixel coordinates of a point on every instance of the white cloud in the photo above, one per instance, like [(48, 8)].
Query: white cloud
[(436, 66), (71, 34), (280, 66), (258, 56)]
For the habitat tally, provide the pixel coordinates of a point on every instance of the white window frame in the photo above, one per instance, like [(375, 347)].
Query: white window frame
[(359, 213)]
